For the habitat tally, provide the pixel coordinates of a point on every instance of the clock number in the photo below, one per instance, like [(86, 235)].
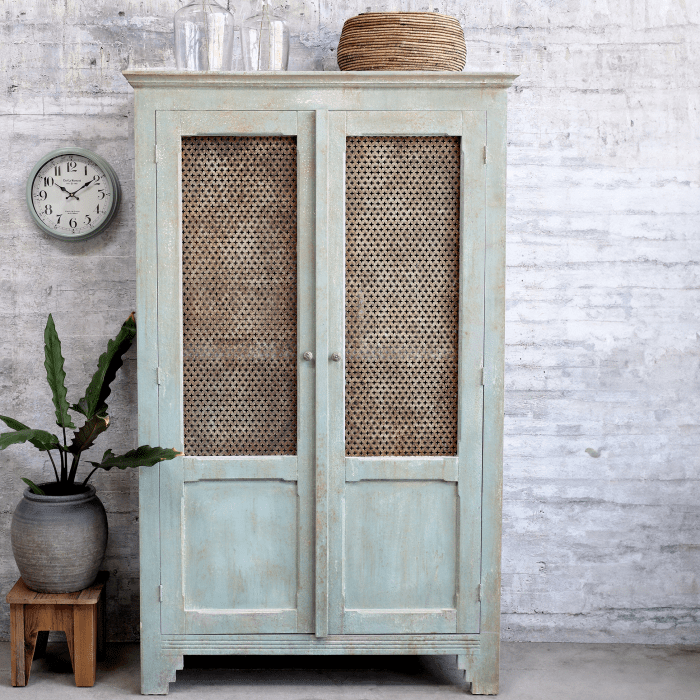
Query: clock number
[(89, 220), (57, 170), (97, 209), (48, 209), (86, 170), (48, 181), (42, 194), (101, 194), (71, 167), (72, 223), (58, 216), (95, 178)]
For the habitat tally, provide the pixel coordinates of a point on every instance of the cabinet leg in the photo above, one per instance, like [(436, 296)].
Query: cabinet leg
[(484, 687), (158, 669), (483, 670)]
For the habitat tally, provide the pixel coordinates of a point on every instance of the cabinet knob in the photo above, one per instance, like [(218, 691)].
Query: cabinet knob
[(335, 357), (308, 356)]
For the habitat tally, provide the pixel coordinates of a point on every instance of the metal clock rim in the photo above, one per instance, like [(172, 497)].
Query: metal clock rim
[(100, 162)]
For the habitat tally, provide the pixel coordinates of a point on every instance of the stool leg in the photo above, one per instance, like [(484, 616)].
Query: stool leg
[(85, 644), (19, 678)]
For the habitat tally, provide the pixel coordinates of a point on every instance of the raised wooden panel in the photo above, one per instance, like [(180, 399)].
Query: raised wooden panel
[(240, 549), (400, 545)]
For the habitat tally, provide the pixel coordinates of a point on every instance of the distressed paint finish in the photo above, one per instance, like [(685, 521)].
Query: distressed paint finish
[(601, 349), (321, 362), (382, 540), (398, 544), (401, 468), (221, 518), (400, 550), (409, 644)]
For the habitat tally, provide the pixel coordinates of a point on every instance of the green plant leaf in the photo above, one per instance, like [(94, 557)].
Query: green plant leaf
[(54, 373), (144, 456), (85, 437), (33, 486), (39, 438), (16, 425), (80, 407), (94, 401)]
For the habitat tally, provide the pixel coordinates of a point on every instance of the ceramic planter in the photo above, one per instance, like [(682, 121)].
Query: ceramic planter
[(59, 541)]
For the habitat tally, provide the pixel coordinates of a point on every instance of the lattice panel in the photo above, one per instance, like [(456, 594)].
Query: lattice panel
[(239, 280), (402, 296)]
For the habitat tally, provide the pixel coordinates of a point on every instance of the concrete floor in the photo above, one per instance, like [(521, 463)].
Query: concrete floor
[(528, 672)]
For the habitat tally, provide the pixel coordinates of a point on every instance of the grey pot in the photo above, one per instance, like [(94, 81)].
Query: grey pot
[(59, 541)]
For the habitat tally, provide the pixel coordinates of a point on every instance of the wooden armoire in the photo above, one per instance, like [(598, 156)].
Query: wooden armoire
[(320, 330)]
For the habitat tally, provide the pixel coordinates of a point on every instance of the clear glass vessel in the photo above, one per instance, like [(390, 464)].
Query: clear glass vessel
[(204, 35), (265, 41)]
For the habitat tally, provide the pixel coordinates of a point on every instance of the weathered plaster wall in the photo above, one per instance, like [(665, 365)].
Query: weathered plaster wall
[(602, 494)]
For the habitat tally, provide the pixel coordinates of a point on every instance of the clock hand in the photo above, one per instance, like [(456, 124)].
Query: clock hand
[(70, 194), (89, 182)]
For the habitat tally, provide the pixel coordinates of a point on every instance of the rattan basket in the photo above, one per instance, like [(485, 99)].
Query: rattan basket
[(402, 41)]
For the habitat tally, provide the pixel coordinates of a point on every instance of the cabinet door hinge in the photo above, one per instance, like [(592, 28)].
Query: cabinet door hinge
[(481, 372), (478, 592), (160, 593), (155, 153), (159, 375), (484, 155)]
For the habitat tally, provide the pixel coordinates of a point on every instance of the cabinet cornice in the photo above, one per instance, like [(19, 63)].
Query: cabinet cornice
[(332, 79)]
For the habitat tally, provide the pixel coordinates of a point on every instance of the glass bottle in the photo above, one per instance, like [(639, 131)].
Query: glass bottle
[(265, 41), (204, 35)]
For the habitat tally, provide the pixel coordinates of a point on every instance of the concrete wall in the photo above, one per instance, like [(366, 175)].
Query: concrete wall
[(602, 496)]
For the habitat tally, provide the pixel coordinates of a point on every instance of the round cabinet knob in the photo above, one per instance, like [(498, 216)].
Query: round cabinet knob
[(335, 357), (308, 356)]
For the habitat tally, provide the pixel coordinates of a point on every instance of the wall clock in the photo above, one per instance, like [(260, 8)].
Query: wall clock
[(73, 194)]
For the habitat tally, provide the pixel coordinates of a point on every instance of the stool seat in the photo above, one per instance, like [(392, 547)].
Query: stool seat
[(81, 615)]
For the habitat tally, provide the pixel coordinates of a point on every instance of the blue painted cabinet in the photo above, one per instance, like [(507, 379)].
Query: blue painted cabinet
[(320, 310)]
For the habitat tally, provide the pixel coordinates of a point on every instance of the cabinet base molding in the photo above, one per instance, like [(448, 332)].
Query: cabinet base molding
[(467, 648), (434, 644)]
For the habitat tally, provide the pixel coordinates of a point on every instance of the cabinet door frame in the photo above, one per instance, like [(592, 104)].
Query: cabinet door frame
[(466, 469), (171, 126)]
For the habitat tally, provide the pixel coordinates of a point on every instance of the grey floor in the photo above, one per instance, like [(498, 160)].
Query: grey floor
[(528, 671)]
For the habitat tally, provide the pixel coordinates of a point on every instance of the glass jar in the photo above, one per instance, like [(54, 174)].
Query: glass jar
[(265, 41), (204, 35)]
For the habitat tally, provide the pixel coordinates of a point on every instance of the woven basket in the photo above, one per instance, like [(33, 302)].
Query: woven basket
[(402, 41)]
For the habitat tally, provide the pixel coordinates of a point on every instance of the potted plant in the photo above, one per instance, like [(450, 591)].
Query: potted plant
[(59, 529)]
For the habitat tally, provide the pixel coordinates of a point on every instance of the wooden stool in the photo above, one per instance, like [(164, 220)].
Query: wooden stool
[(81, 615)]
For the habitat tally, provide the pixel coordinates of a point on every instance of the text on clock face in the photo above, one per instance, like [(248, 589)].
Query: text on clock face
[(71, 194)]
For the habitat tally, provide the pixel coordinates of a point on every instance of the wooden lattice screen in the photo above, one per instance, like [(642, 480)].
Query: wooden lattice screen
[(402, 295), (239, 281)]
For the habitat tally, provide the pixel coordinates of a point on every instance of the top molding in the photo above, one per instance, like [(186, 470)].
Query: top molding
[(423, 79)]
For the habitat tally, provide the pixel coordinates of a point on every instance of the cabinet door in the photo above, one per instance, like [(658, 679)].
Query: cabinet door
[(235, 224), (406, 318)]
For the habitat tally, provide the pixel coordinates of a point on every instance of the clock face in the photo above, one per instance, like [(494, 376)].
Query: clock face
[(73, 195)]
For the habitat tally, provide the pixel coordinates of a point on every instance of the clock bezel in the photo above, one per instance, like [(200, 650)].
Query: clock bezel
[(101, 163)]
